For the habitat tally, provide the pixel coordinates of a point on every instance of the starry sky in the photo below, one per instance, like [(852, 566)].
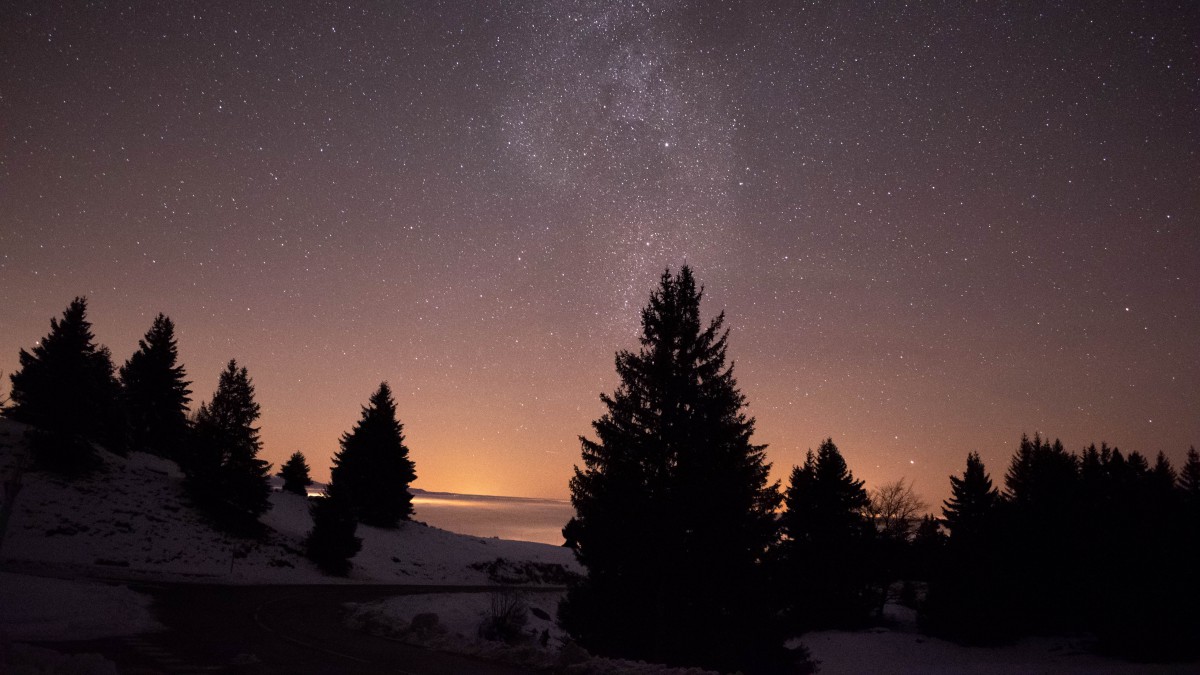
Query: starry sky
[(933, 226)]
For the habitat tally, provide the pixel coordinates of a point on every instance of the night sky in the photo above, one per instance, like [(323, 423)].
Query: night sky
[(933, 226)]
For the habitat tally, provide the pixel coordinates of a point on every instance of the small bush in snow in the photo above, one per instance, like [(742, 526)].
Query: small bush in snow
[(425, 626), (506, 619), (332, 541)]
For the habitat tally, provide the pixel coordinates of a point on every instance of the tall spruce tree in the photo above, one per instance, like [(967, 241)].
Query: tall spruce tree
[(225, 474), (1189, 478), (827, 576), (972, 500), (1042, 490), (970, 595), (1189, 547), (156, 393), (1162, 477), (66, 388), (674, 511), (372, 472), (928, 548), (294, 473)]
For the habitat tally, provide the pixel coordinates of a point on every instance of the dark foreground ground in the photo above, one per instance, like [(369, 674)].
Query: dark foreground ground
[(268, 630)]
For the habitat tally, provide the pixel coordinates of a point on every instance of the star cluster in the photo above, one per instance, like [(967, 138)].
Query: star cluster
[(933, 226)]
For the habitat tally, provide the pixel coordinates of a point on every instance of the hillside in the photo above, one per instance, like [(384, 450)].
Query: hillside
[(132, 519)]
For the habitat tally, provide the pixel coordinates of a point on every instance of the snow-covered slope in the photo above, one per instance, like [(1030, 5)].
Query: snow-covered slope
[(132, 519)]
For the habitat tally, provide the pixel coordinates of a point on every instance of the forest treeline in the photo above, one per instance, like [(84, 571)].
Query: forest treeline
[(68, 389), (693, 556)]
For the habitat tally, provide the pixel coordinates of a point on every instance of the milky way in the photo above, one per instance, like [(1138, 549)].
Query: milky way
[(933, 227)]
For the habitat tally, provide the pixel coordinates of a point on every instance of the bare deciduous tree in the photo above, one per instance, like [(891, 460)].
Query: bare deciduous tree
[(896, 509)]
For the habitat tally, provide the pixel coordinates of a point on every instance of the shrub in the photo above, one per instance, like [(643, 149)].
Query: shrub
[(506, 618)]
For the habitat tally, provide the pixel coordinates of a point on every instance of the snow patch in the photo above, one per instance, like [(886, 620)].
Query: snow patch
[(901, 650)]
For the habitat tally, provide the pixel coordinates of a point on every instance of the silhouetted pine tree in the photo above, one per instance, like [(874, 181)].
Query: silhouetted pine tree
[(156, 393), (968, 597), (1042, 490), (1096, 542), (1189, 478), (332, 542), (1163, 477), (65, 387), (225, 474), (972, 500), (1041, 476), (294, 473), (928, 548), (673, 508), (1188, 585), (1094, 466), (372, 472), (827, 566), (1130, 538)]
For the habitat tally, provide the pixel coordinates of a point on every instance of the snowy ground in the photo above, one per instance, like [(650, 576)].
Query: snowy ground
[(901, 650), (132, 520)]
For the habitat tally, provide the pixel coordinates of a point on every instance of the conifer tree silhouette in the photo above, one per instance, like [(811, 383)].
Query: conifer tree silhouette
[(156, 393), (673, 507), (928, 548), (826, 552), (1163, 477), (332, 541), (1042, 501), (1189, 478), (1041, 476), (372, 472), (294, 473), (66, 388), (225, 474), (972, 500), (1101, 541), (1188, 551), (968, 597)]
